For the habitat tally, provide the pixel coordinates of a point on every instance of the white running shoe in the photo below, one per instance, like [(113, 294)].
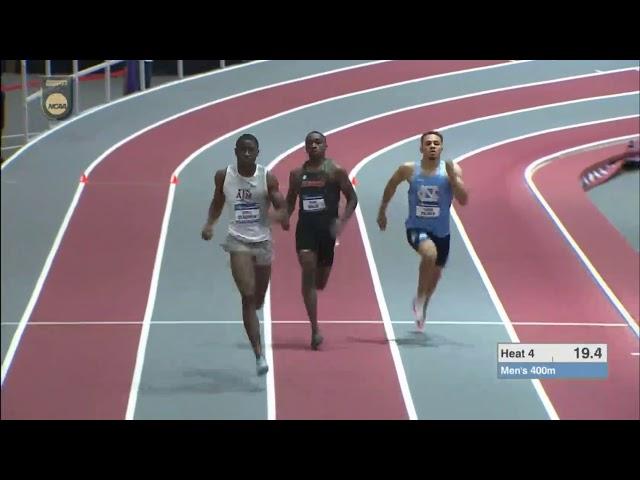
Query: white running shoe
[(419, 313)]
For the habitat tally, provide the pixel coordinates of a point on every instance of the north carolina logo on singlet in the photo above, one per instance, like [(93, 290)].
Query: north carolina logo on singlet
[(428, 193), (428, 196), (246, 210)]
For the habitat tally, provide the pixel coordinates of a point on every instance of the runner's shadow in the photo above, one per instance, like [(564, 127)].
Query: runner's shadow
[(293, 346), (214, 381), (297, 346), (414, 339)]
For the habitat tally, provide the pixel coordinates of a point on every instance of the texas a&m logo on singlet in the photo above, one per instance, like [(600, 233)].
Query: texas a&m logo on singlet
[(246, 210), (243, 194)]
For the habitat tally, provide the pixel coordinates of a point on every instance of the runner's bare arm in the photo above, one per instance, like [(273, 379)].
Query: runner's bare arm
[(454, 171), (403, 173), (294, 188), (278, 201), (216, 206), (346, 187)]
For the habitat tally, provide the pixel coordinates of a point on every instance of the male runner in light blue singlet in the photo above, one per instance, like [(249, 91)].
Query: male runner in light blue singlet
[(432, 186)]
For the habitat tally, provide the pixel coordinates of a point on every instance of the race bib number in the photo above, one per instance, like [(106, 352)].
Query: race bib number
[(247, 213), (313, 204), (427, 212)]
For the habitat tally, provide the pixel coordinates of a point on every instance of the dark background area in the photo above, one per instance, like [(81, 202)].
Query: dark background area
[(160, 67)]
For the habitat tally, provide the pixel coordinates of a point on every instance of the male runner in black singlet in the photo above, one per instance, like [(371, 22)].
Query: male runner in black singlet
[(318, 184)]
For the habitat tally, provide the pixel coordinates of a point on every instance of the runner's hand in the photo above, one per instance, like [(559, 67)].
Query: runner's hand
[(207, 232), (382, 221)]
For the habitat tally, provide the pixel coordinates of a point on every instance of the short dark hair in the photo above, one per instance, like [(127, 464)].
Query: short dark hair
[(315, 131), (431, 132), (247, 136)]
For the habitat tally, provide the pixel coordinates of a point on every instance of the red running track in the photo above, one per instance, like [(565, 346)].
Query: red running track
[(606, 248), (103, 268), (539, 278), (332, 385), (84, 269)]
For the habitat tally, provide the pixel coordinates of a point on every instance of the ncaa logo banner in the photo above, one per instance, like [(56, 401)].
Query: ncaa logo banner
[(57, 97)]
